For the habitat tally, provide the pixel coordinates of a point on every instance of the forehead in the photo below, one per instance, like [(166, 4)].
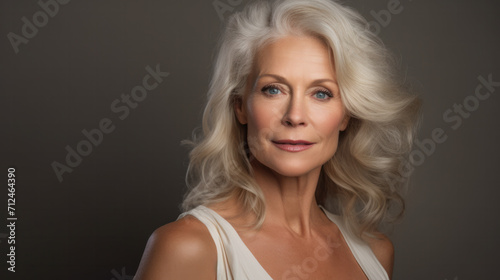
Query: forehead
[(292, 53)]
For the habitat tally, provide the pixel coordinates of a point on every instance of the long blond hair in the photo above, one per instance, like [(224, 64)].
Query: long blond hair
[(362, 179)]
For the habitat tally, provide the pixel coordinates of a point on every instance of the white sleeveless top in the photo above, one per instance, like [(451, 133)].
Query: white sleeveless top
[(236, 262)]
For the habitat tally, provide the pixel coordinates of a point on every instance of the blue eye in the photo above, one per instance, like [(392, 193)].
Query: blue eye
[(274, 91), (323, 94), (271, 90)]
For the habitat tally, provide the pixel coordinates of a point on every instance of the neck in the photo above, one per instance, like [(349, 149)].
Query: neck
[(290, 201)]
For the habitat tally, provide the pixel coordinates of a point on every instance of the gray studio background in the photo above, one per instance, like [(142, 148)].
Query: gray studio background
[(94, 223)]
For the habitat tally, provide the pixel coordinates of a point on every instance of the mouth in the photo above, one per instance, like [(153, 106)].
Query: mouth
[(292, 145), (292, 142)]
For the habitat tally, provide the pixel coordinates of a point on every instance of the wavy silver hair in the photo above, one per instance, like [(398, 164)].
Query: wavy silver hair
[(362, 179)]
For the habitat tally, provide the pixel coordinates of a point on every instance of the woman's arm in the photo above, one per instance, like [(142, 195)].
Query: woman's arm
[(183, 249)]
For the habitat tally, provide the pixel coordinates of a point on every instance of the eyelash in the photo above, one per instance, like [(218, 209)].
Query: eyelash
[(273, 86), (327, 92)]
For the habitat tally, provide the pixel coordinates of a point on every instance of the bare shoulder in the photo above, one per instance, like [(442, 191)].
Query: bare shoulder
[(183, 249), (383, 249)]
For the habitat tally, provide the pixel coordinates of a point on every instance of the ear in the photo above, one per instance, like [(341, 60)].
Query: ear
[(240, 111), (345, 122)]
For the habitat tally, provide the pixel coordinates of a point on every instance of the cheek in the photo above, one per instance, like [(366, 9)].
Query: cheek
[(329, 130), (262, 125), (262, 117), (329, 122), (257, 122)]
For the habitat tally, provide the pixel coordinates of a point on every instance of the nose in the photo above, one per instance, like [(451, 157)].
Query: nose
[(295, 113)]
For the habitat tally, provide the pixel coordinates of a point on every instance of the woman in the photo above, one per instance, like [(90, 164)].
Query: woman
[(304, 119)]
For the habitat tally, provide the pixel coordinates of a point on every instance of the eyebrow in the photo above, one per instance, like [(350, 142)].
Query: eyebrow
[(283, 79)]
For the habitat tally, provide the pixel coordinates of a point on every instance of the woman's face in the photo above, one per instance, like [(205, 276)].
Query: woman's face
[(292, 106)]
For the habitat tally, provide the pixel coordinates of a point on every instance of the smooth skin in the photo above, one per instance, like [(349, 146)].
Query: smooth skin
[(292, 94)]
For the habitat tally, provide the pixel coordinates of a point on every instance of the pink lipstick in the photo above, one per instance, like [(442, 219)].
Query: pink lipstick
[(293, 145)]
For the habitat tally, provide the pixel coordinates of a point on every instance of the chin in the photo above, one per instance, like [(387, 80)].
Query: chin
[(289, 168)]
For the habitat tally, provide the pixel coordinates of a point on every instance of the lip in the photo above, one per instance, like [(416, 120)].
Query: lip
[(293, 145)]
